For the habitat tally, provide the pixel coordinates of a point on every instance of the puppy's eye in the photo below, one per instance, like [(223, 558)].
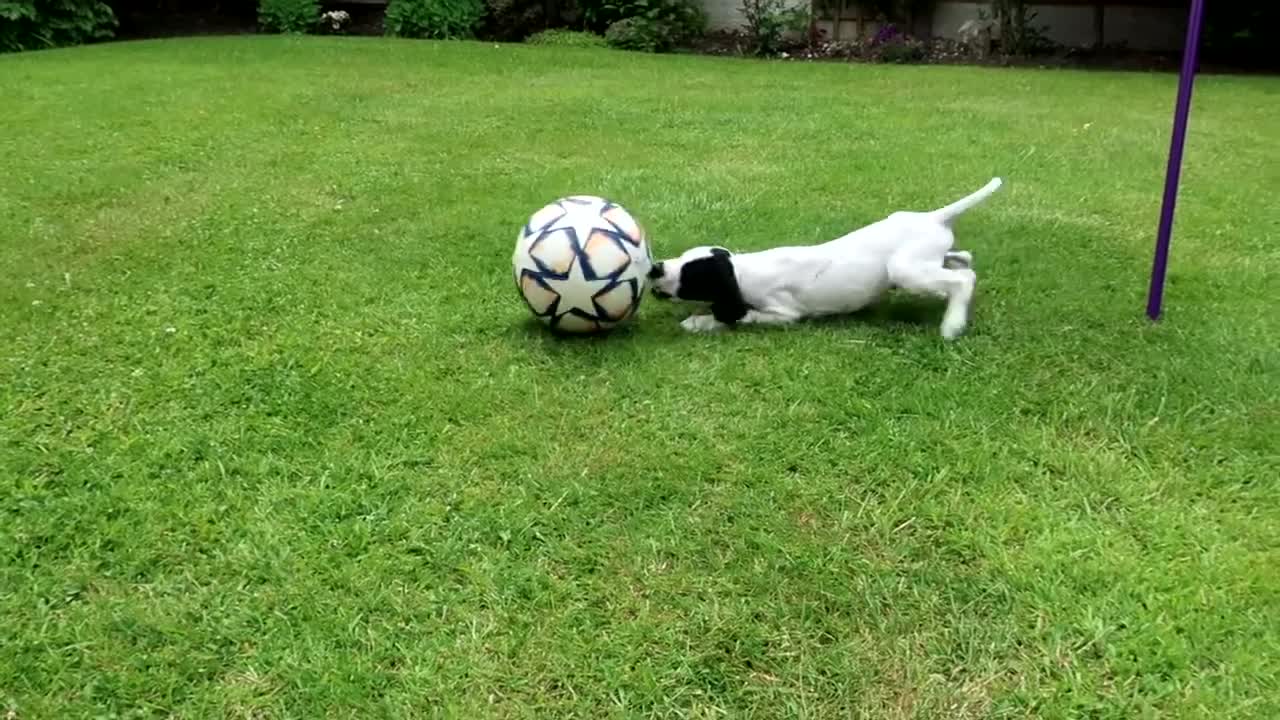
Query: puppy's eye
[(655, 272)]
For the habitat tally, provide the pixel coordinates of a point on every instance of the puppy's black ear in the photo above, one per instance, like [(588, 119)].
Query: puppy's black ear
[(711, 279)]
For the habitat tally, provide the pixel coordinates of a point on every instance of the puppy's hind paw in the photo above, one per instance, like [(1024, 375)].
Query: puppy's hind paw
[(701, 324)]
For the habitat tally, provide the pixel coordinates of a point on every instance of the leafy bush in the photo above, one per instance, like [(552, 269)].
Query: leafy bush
[(288, 16), (638, 33), (901, 49), (768, 21), (567, 38), (33, 24), (668, 21), (434, 19), (1019, 35), (888, 45)]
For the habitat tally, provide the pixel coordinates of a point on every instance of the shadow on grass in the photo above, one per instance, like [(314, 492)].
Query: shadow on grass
[(532, 328), (898, 312), (589, 350)]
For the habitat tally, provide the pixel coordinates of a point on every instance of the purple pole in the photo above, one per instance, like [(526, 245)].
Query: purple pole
[(1190, 61)]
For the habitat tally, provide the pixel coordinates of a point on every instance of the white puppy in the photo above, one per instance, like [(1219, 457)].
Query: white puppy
[(908, 250)]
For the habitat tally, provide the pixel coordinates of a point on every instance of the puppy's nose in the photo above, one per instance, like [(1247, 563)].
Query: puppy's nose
[(655, 272)]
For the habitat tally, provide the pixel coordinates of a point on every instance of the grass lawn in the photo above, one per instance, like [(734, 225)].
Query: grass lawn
[(278, 438)]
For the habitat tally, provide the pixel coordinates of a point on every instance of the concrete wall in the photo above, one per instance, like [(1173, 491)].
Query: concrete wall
[(1141, 28)]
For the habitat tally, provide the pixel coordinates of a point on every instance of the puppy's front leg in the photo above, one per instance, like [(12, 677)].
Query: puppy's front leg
[(708, 323), (764, 317), (702, 323)]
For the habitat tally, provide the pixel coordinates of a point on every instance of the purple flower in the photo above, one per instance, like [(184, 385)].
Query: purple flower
[(887, 32)]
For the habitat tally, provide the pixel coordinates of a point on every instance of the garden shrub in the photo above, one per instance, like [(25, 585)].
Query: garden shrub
[(288, 16), (767, 23), (34, 24), (891, 45), (567, 38), (898, 49), (671, 21), (638, 33), (434, 19), (1019, 33)]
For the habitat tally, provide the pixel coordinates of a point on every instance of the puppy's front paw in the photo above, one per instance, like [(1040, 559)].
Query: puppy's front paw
[(958, 259), (952, 329), (701, 323)]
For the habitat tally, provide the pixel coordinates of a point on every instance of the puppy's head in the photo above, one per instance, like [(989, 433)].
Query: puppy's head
[(702, 274)]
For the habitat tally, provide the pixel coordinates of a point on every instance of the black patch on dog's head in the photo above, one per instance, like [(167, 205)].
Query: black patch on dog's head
[(711, 279)]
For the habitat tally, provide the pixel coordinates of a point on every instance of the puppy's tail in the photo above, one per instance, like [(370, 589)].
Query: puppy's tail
[(949, 213)]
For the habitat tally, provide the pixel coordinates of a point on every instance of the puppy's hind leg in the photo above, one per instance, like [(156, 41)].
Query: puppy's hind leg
[(927, 277)]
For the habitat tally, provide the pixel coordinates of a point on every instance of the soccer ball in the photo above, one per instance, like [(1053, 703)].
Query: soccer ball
[(581, 264)]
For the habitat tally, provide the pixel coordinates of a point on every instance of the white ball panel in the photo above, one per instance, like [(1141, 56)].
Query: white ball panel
[(555, 250), (544, 217), (575, 324), (539, 296), (616, 302)]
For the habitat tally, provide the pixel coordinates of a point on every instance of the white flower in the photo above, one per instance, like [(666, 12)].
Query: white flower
[(336, 18)]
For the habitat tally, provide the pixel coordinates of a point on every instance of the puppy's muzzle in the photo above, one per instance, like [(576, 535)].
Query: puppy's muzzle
[(655, 272)]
